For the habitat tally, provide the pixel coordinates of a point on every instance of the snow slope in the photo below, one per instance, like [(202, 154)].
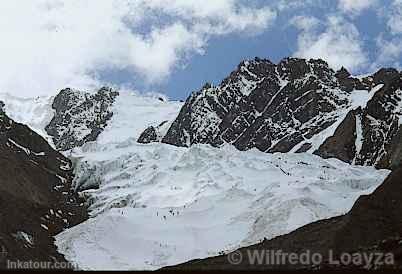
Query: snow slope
[(133, 113), (34, 112), (159, 205)]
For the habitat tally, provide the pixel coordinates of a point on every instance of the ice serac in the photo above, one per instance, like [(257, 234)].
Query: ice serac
[(36, 199), (80, 116), (372, 226), (296, 105)]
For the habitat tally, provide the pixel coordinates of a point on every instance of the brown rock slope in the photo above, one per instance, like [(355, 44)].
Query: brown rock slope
[(36, 200)]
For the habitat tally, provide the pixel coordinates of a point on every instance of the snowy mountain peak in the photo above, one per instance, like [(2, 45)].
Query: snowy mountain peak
[(260, 93), (74, 117), (296, 105)]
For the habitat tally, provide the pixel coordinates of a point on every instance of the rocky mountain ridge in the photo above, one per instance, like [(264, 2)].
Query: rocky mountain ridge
[(296, 105)]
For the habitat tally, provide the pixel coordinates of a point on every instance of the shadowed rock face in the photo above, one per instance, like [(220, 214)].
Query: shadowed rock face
[(36, 199), (148, 136), (373, 225), (342, 144), (283, 107), (379, 124), (80, 117), (263, 105)]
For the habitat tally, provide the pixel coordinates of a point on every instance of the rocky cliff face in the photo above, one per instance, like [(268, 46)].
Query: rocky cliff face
[(376, 128), (79, 116), (372, 226), (36, 199), (299, 106)]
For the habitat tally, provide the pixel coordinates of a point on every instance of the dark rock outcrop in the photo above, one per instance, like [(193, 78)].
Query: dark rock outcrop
[(2, 105), (342, 144), (152, 134), (374, 225), (148, 136), (36, 198), (80, 117)]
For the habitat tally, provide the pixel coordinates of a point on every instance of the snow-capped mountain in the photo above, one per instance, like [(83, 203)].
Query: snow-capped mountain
[(156, 188), (299, 106), (73, 118)]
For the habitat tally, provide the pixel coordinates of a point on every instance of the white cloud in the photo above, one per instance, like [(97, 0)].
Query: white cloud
[(339, 44), (356, 6), (49, 44), (157, 54), (389, 52), (395, 17), (305, 23), (286, 5), (222, 15)]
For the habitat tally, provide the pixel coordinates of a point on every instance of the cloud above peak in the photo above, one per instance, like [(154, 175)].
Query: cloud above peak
[(49, 44), (156, 54), (339, 43)]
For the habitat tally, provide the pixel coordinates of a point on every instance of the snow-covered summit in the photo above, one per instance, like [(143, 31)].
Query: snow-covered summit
[(73, 117)]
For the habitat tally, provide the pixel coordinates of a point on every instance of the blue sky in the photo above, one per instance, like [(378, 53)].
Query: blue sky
[(175, 46), (223, 54)]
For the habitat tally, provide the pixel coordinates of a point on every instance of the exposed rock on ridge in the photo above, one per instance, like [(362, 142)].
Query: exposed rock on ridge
[(154, 134), (80, 117)]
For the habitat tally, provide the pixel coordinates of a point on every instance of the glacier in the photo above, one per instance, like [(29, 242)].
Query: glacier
[(154, 205), (157, 205)]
